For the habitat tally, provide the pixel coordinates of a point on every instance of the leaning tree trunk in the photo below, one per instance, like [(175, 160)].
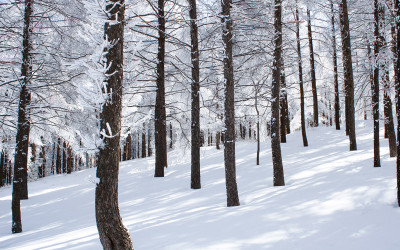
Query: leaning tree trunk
[(348, 74), (160, 126), (335, 71), (195, 182), (397, 85), (113, 234), (312, 71), (229, 137), (279, 179), (301, 83), (20, 179)]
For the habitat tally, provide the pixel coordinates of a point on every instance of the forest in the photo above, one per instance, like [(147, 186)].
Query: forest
[(166, 99)]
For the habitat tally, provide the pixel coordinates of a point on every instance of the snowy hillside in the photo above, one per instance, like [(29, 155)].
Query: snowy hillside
[(333, 199)]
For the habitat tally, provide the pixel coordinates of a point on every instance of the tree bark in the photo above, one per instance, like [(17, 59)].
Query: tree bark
[(3, 169), (195, 182), (59, 157), (160, 126), (20, 179), (301, 82), (279, 179), (397, 86), (144, 141), (149, 148), (113, 234), (335, 70), (378, 11), (283, 106), (229, 137), (348, 74), (312, 71), (65, 157), (70, 160)]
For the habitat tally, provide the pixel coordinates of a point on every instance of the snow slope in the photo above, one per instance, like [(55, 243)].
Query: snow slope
[(333, 199)]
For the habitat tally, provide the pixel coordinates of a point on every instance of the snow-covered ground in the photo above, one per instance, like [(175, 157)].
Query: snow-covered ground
[(333, 199)]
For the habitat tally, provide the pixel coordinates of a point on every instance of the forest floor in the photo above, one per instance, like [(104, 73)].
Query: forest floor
[(333, 199)]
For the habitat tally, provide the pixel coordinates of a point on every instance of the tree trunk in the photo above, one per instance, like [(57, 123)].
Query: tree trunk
[(279, 179), (397, 86), (284, 115), (300, 64), (3, 170), (70, 160), (65, 157), (312, 71), (229, 149), (149, 148), (348, 74), (335, 71), (144, 141), (160, 125), (20, 180), (195, 182), (171, 145), (113, 234), (378, 11), (59, 157), (42, 156)]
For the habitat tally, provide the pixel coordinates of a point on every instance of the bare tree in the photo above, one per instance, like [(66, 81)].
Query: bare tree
[(195, 93), (20, 180), (312, 70), (229, 137), (348, 74), (113, 234), (279, 179)]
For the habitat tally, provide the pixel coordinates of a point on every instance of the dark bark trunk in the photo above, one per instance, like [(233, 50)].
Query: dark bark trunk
[(218, 140), (160, 126), (171, 143), (312, 70), (279, 179), (113, 234), (375, 83), (70, 160), (195, 182), (348, 74), (149, 148), (42, 156), (301, 83), (284, 115), (59, 157), (65, 157), (335, 71), (20, 179), (229, 149), (3, 170), (144, 141), (397, 86)]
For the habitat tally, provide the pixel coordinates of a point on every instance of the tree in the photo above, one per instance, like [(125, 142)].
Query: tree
[(229, 137), (301, 82), (335, 70), (312, 70), (348, 74), (397, 86), (160, 126), (195, 94), (20, 179), (378, 12), (279, 179), (113, 234)]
